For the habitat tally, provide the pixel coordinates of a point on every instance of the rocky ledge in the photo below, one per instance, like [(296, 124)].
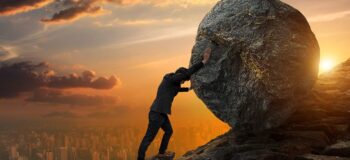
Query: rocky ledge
[(318, 130)]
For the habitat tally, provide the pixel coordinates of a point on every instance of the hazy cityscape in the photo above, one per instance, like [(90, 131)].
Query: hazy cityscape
[(94, 143)]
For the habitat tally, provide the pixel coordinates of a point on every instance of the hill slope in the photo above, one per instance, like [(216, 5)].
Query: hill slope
[(318, 130)]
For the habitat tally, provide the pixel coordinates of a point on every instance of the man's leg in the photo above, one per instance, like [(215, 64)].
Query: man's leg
[(155, 121), (168, 131)]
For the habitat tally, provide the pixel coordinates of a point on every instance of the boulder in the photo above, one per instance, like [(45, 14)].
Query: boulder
[(264, 58)]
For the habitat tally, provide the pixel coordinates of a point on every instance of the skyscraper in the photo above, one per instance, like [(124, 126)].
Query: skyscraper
[(63, 153), (49, 155)]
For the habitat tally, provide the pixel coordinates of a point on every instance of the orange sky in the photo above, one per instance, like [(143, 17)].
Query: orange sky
[(137, 42)]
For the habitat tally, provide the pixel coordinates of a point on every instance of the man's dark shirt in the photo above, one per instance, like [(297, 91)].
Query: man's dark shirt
[(169, 87)]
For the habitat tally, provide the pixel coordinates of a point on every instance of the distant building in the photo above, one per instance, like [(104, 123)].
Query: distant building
[(13, 153), (95, 155), (63, 153), (49, 156)]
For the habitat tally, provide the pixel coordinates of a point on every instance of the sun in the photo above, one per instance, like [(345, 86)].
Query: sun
[(326, 65)]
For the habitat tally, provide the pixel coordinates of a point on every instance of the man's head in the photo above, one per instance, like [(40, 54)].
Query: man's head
[(182, 70)]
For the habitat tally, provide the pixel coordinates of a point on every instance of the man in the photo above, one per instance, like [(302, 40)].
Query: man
[(161, 107)]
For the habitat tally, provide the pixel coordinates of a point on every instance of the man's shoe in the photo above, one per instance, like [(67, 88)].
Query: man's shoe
[(170, 154), (161, 155)]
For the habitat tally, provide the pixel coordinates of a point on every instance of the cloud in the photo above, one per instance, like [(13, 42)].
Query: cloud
[(75, 12), (161, 3), (20, 77), (59, 97), (28, 77), (6, 54), (329, 17), (86, 80), (70, 10), (59, 114), (182, 3), (163, 36), (137, 22), (10, 7)]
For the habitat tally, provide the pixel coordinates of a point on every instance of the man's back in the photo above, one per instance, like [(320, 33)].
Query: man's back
[(167, 90)]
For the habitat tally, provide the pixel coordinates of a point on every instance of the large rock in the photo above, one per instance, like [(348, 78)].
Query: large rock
[(265, 57)]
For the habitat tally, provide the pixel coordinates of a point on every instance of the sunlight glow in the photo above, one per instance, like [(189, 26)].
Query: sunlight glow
[(326, 65)]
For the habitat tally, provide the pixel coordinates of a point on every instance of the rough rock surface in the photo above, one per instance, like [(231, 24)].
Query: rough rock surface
[(318, 130), (265, 57), (157, 158), (169, 156)]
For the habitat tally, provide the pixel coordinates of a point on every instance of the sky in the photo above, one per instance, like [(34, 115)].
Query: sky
[(103, 59)]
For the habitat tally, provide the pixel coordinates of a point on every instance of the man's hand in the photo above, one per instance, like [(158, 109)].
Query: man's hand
[(206, 55)]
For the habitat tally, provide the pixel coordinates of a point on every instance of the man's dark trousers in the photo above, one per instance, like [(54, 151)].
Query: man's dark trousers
[(156, 120)]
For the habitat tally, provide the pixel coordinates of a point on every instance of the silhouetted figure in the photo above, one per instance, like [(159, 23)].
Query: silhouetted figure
[(161, 107)]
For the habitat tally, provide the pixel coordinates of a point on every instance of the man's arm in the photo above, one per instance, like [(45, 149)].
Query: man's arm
[(193, 69), (178, 77)]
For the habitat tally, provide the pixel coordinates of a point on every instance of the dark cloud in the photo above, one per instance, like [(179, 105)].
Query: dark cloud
[(59, 97), (85, 80), (70, 10), (20, 77), (66, 10), (28, 77), (10, 7), (60, 114), (75, 11)]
